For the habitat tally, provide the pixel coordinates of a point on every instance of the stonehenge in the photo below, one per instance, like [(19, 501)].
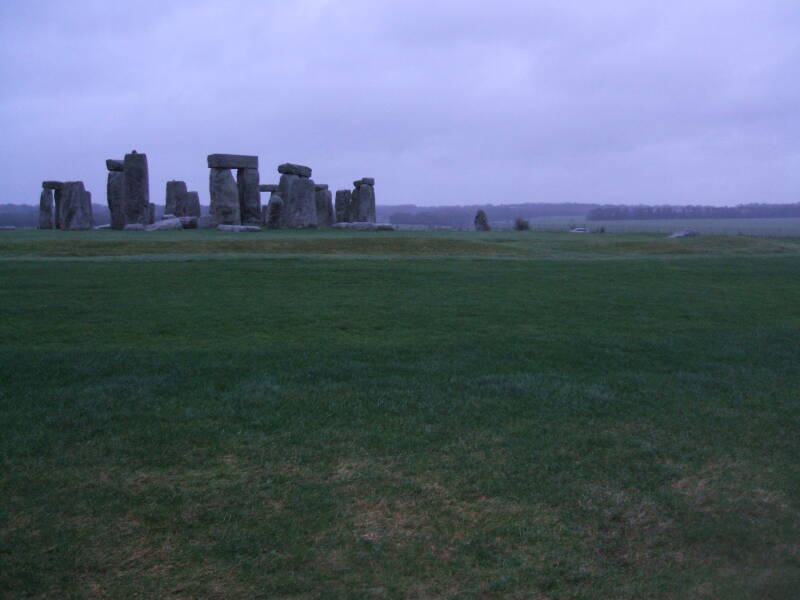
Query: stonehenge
[(235, 202)]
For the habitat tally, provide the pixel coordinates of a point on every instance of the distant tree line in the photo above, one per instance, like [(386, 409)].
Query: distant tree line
[(619, 212), (463, 216)]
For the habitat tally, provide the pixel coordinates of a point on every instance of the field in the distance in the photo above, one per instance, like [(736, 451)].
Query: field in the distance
[(398, 415)]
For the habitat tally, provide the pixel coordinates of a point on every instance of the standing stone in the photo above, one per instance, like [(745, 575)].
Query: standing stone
[(362, 203), (115, 197), (343, 205), (482, 222), (58, 197), (189, 205), (46, 209), (297, 192), (324, 204), (151, 213), (137, 188), (76, 207), (274, 210), (224, 198), (174, 191), (249, 196)]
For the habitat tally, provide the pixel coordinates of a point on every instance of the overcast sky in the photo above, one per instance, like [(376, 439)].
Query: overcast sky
[(443, 102)]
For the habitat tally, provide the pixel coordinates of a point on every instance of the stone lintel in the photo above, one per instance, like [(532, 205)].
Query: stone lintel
[(292, 169), (232, 161), (115, 165)]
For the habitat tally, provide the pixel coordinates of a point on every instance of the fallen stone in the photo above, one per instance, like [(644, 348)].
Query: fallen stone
[(232, 161), (102, 227), (115, 165), (167, 216), (53, 185), (268, 188), (134, 227), (224, 198), (46, 209), (343, 198), (189, 222), (682, 233), (239, 228), (249, 196), (8, 227), (165, 225), (292, 169), (137, 189), (115, 196), (174, 191)]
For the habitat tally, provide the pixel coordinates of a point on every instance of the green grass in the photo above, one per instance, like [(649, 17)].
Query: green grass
[(776, 227), (442, 415)]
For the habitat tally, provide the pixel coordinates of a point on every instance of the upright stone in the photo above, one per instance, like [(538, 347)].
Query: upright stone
[(76, 207), (115, 197), (324, 204), (224, 198), (174, 191), (362, 204), (151, 213), (46, 209), (189, 204), (343, 205), (137, 188), (296, 190), (249, 196), (273, 210)]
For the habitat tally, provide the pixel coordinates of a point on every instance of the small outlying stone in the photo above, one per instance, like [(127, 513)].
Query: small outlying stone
[(232, 161), (292, 169), (165, 225), (682, 233), (134, 227), (239, 228)]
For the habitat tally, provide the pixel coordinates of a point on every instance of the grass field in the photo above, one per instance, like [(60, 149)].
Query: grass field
[(399, 415)]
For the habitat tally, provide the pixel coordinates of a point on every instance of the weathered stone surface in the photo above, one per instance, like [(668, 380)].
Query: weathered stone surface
[(168, 216), (151, 213), (299, 204), (134, 227), (76, 207), (188, 205), (174, 191), (364, 181), (343, 205), (362, 204), (324, 203), (53, 185), (224, 198), (364, 226), (292, 169), (115, 165), (189, 222), (239, 228), (232, 161), (249, 196), (274, 210), (165, 225), (268, 188), (481, 221), (321, 186), (46, 209), (681, 233), (137, 189), (115, 197), (58, 197)]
